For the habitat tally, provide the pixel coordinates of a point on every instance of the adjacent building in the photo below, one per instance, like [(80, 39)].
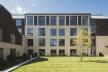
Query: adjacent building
[(11, 41)]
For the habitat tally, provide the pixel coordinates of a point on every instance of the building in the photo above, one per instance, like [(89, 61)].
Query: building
[(54, 33), (11, 41)]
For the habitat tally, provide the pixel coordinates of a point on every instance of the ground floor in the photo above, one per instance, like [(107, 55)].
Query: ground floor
[(7, 49)]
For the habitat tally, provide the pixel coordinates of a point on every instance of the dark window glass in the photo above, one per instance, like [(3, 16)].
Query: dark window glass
[(29, 20), (18, 22), (73, 42), (53, 32), (61, 42), (41, 31), (79, 20), (61, 20), (47, 20), (67, 20), (53, 20), (53, 52), (61, 32), (1, 53), (85, 20), (53, 42), (29, 42), (73, 31), (35, 20), (73, 20), (41, 20), (41, 41), (30, 31)]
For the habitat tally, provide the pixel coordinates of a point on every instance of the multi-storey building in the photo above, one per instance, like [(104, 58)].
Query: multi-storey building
[(54, 33)]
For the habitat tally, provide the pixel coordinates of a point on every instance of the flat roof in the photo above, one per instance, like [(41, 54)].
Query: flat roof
[(18, 16), (99, 17)]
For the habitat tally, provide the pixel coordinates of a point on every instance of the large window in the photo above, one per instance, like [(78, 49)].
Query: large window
[(18, 22), (61, 42), (61, 20), (73, 31), (53, 42), (29, 20), (85, 20), (1, 53), (41, 31), (53, 32), (41, 41), (67, 20), (53, 20), (61, 32), (29, 42), (30, 31), (73, 20), (73, 42), (41, 20)]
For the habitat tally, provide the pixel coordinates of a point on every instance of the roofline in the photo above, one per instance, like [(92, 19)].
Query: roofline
[(57, 13)]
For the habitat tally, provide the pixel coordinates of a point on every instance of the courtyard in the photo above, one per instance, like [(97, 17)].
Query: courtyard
[(65, 64)]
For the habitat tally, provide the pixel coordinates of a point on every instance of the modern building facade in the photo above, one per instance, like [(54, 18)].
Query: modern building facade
[(11, 41)]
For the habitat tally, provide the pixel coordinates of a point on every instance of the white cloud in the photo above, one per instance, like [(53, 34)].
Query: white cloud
[(18, 10)]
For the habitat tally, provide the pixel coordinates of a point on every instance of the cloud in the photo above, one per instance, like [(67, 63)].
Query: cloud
[(18, 10)]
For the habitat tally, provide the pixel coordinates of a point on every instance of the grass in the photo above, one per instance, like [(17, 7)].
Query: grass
[(66, 64)]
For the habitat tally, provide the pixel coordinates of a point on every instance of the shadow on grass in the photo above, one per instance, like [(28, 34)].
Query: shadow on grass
[(97, 61), (39, 59)]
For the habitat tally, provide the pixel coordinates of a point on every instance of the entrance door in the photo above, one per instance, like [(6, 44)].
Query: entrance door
[(53, 52), (61, 52), (30, 52)]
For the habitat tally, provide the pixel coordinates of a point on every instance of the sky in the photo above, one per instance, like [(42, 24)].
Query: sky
[(56, 6)]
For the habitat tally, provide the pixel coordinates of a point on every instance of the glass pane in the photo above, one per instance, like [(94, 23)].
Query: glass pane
[(41, 20), (41, 31), (30, 31), (73, 20), (61, 32), (85, 20), (29, 20), (41, 41), (73, 31), (61, 20), (53, 20), (53, 42), (53, 32), (18, 22)]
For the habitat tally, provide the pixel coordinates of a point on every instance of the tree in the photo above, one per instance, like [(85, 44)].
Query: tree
[(84, 41)]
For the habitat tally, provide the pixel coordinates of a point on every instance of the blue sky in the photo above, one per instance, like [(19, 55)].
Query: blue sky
[(61, 6)]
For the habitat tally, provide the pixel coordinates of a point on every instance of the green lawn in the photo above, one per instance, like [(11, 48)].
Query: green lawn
[(66, 64)]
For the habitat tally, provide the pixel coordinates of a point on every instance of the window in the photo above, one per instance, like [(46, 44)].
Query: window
[(47, 20), (73, 20), (13, 52), (67, 20), (53, 52), (29, 20), (1, 53), (53, 20), (53, 32), (41, 20), (79, 20), (29, 42), (73, 52), (41, 31), (85, 20), (61, 42), (61, 32), (30, 31), (53, 42), (73, 31), (42, 52), (93, 22), (61, 20), (12, 38), (18, 22), (35, 20), (73, 42), (41, 41), (0, 34), (61, 52)]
